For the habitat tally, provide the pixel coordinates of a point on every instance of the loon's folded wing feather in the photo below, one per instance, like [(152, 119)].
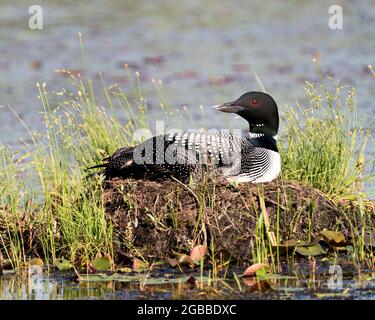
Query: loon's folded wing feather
[(189, 152), (223, 148)]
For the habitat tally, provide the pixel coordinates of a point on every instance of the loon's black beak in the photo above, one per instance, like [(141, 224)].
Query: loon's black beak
[(229, 107)]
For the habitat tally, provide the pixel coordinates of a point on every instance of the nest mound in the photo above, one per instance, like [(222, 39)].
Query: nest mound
[(156, 219)]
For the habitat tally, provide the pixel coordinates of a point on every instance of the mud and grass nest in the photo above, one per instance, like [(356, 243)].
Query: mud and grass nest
[(157, 219)]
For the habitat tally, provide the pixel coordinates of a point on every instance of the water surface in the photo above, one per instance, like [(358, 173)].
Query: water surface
[(287, 285)]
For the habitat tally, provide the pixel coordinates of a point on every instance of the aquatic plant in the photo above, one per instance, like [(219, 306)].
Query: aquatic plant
[(322, 143)]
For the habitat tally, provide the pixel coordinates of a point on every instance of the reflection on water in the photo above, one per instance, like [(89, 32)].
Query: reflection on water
[(38, 285)]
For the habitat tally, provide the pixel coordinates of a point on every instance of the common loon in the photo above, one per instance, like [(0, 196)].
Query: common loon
[(254, 158)]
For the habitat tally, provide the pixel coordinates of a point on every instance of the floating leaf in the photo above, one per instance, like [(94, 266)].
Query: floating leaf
[(335, 295), (198, 252), (256, 269), (124, 270), (314, 250), (36, 262), (101, 263), (288, 245), (294, 243), (164, 280), (312, 242), (100, 277), (63, 264), (333, 237)]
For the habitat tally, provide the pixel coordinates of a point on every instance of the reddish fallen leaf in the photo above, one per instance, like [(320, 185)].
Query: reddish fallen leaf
[(198, 252), (251, 271), (139, 265)]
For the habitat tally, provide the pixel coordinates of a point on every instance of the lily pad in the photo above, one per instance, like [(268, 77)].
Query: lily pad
[(289, 245), (333, 238), (102, 264), (136, 278), (36, 262), (63, 264), (314, 250), (291, 242), (124, 270), (102, 277)]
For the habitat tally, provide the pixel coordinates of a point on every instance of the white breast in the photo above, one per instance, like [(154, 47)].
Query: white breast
[(269, 175), (274, 170)]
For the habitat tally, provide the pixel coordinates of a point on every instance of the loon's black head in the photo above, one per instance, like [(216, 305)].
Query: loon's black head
[(258, 108)]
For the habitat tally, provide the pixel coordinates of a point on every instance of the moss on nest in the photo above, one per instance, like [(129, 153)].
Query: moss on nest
[(155, 219)]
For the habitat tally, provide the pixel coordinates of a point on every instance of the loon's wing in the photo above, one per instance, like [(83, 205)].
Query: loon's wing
[(214, 148), (234, 156), (178, 155), (153, 158)]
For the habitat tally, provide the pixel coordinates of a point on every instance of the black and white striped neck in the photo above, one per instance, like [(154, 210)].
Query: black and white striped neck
[(262, 140)]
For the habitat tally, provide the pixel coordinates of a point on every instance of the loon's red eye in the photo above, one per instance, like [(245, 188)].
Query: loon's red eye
[(254, 102)]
